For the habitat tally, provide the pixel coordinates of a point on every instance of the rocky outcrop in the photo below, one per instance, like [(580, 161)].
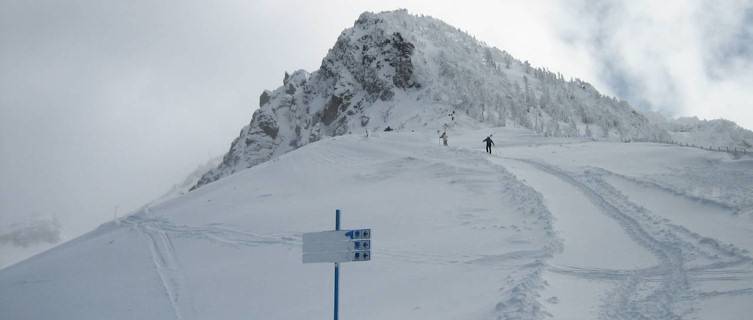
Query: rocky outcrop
[(366, 64), (403, 77)]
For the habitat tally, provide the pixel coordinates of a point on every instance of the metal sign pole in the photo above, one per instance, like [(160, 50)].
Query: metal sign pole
[(336, 246), (337, 265), (337, 282)]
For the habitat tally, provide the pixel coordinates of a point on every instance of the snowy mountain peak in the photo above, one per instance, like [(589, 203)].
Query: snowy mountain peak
[(418, 73)]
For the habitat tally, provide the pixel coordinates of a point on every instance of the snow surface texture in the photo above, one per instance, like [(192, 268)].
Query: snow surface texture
[(417, 73), (545, 227)]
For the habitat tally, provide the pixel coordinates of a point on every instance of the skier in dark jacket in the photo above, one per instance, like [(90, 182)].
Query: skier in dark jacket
[(489, 144)]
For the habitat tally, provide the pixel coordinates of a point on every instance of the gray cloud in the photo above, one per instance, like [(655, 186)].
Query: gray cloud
[(36, 232), (727, 29), (107, 105), (678, 57)]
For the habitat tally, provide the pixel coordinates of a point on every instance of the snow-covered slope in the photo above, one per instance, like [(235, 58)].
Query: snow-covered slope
[(544, 227), (418, 73)]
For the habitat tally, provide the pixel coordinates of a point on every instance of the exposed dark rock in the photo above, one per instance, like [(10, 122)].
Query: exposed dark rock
[(403, 77), (264, 98), (268, 125), (386, 95), (331, 109)]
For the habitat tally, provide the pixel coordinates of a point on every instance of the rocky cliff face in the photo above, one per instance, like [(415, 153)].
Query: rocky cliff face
[(410, 72), (367, 64)]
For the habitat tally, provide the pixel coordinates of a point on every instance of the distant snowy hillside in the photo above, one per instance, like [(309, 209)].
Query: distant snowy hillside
[(418, 73), (718, 133), (544, 228)]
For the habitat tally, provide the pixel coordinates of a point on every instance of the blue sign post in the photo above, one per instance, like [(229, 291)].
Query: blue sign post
[(335, 247), (337, 267)]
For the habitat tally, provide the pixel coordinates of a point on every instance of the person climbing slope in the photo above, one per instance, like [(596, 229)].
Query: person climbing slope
[(444, 138), (489, 144)]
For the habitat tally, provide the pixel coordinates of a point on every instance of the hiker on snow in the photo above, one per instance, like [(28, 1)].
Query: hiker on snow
[(489, 144), (444, 138)]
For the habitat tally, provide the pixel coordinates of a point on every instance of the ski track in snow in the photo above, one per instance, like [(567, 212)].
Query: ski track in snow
[(216, 233), (668, 188), (165, 262), (665, 291), (159, 231), (521, 300)]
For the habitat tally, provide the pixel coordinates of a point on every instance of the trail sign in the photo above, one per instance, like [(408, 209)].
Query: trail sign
[(337, 246)]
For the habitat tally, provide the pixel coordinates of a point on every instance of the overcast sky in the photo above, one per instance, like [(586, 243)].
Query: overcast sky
[(110, 103)]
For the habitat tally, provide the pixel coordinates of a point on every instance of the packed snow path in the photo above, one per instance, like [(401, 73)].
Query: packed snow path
[(543, 228), (688, 261), (660, 292)]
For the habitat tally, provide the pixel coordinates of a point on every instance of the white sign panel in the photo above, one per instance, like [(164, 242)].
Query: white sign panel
[(337, 246)]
